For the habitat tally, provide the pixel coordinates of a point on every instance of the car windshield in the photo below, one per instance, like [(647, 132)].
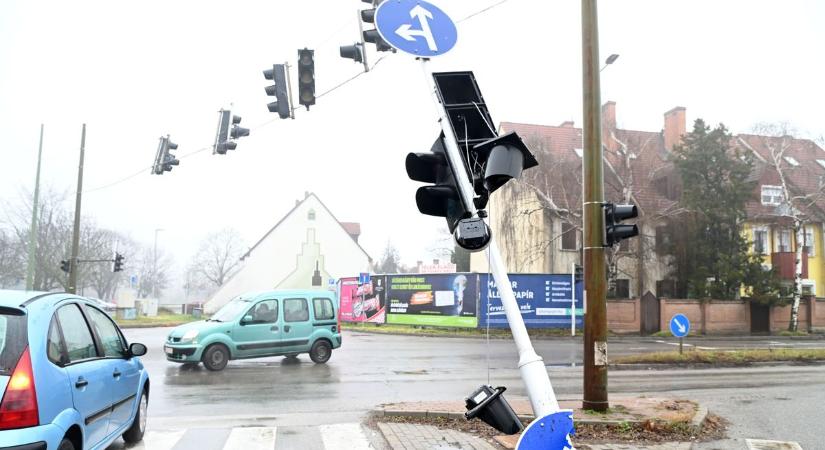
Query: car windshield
[(12, 339), (231, 310)]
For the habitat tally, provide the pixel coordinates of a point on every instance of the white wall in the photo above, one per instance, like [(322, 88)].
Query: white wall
[(275, 258)]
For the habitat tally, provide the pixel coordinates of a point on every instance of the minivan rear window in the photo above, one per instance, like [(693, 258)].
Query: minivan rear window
[(13, 339)]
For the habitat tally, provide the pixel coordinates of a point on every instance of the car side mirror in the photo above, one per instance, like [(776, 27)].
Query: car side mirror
[(136, 349), (247, 319)]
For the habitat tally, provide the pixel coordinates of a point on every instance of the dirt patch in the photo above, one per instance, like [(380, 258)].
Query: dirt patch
[(714, 428)]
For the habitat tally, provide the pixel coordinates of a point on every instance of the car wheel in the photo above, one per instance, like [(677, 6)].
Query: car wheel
[(65, 444), (216, 357), (320, 352), (135, 432)]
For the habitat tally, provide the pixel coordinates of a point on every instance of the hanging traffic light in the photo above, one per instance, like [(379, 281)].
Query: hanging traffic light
[(373, 37), (354, 52), (65, 266), (164, 160), (278, 90), (117, 263), (306, 77), (614, 230), (237, 130), (222, 143), (442, 199)]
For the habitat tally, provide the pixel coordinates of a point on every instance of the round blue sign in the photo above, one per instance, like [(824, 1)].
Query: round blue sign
[(416, 27), (679, 325)]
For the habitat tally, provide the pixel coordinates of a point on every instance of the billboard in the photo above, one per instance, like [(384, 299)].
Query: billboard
[(544, 301), (446, 300), (362, 302)]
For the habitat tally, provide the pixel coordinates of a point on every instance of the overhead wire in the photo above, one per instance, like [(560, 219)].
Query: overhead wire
[(294, 108)]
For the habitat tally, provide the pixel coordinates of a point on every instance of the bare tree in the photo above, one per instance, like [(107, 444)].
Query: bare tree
[(219, 256), (797, 205), (12, 260), (153, 275)]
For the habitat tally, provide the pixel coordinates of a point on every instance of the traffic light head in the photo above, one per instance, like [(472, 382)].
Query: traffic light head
[(353, 52), (278, 90), (373, 37), (578, 275), (506, 157), (117, 263), (65, 266), (614, 230), (306, 77), (237, 130), (442, 199)]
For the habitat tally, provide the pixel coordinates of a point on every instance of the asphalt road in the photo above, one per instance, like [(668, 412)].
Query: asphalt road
[(772, 402)]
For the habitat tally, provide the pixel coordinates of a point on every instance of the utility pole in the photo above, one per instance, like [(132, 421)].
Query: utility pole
[(595, 327), (33, 228), (73, 262)]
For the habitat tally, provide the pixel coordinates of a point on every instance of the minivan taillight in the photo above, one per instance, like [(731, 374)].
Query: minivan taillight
[(19, 406)]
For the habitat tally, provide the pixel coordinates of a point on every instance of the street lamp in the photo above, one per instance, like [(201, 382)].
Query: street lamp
[(155, 265), (610, 60)]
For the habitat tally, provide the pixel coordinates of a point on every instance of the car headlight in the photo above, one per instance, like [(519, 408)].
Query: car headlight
[(189, 336)]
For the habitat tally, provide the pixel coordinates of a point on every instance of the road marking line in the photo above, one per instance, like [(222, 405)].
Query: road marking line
[(251, 438), (159, 440), (344, 436), (760, 444)]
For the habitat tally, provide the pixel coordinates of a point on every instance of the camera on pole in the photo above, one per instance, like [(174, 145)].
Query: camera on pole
[(615, 231)]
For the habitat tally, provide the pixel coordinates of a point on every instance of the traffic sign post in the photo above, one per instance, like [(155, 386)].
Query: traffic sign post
[(679, 327), (423, 30)]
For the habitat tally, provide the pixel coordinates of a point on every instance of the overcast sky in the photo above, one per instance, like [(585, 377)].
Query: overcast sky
[(134, 71)]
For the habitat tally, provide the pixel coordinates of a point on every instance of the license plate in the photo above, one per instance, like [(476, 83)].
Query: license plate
[(168, 350)]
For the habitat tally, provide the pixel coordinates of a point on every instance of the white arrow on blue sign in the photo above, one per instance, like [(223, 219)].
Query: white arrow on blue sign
[(416, 27), (679, 325)]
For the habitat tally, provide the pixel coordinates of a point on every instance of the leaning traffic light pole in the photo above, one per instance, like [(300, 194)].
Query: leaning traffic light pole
[(531, 365)]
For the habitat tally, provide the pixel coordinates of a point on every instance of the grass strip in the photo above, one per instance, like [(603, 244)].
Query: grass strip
[(724, 357), (161, 320)]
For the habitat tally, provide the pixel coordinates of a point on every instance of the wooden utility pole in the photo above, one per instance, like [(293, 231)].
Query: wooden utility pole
[(595, 326)]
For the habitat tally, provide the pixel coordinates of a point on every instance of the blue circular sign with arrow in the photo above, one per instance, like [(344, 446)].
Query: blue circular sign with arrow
[(416, 27), (679, 325)]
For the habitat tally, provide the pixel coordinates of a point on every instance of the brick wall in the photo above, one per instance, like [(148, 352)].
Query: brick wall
[(690, 308), (781, 317), (623, 316), (727, 317)]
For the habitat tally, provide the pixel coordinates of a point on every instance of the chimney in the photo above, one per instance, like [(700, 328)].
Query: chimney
[(675, 127), (567, 124), (608, 125)]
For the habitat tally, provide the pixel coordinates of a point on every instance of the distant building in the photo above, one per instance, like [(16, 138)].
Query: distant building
[(306, 249), (537, 219)]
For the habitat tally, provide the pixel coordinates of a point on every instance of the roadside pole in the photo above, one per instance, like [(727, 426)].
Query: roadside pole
[(595, 327), (33, 229), (573, 299), (531, 365), (73, 262)]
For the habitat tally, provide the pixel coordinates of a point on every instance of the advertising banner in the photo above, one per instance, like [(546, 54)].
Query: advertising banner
[(446, 300), (544, 300), (362, 302)]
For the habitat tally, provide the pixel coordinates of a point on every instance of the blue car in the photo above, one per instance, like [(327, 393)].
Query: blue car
[(68, 377)]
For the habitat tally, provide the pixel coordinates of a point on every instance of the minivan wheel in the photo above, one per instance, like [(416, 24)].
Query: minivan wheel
[(320, 352), (216, 357), (65, 444), (135, 432)]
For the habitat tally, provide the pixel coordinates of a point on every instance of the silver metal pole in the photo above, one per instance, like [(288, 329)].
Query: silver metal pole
[(33, 231), (289, 89), (573, 299), (531, 365)]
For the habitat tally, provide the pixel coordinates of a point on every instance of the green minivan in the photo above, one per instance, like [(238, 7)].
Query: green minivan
[(275, 323)]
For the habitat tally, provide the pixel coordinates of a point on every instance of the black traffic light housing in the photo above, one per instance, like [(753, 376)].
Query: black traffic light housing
[(488, 404), (578, 275), (306, 77), (225, 138), (117, 263), (354, 52), (278, 90), (373, 37), (442, 199), (66, 266), (615, 232)]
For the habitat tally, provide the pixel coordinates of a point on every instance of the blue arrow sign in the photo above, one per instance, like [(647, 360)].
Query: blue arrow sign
[(416, 27), (679, 325), (363, 278)]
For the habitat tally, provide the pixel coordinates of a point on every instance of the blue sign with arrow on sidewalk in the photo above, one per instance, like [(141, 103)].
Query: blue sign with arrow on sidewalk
[(679, 325), (416, 27)]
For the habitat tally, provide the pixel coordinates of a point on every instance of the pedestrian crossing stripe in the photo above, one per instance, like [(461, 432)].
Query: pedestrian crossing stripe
[(761, 444), (342, 436)]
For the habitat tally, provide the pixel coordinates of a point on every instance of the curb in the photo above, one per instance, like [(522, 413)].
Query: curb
[(151, 325), (705, 366), (697, 421)]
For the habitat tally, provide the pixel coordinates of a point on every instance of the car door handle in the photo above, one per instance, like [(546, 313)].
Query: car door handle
[(116, 373), (287, 328), (274, 328), (81, 383)]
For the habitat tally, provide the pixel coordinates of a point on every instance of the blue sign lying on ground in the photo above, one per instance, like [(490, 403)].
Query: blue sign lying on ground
[(544, 301)]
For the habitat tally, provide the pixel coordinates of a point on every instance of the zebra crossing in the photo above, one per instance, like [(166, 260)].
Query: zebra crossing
[(340, 436)]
